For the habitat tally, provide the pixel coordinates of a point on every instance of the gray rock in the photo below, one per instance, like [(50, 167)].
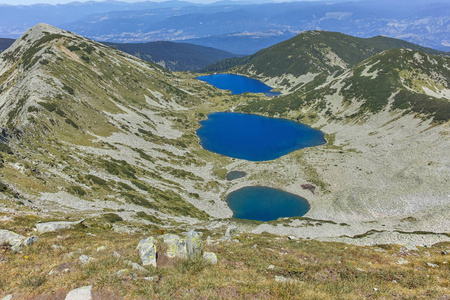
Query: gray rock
[(31, 240), (12, 239), (291, 237), (82, 293), (116, 254), (283, 279), (432, 265), (230, 230), (86, 259), (101, 248), (271, 267), (53, 226), (122, 272), (194, 244), (135, 266), (147, 251), (7, 297), (176, 246), (402, 261), (210, 257), (150, 278)]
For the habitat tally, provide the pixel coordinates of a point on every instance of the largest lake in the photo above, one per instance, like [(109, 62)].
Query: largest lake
[(255, 138)]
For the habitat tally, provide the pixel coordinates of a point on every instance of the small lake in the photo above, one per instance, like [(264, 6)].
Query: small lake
[(265, 204), (255, 138), (238, 84)]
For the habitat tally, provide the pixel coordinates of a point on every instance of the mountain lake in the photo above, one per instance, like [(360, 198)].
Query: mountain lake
[(265, 204), (255, 138), (238, 84)]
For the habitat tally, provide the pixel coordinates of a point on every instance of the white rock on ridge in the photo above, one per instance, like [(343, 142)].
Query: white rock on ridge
[(53, 226), (82, 293)]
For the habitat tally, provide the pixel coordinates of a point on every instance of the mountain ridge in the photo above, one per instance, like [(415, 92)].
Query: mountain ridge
[(174, 56)]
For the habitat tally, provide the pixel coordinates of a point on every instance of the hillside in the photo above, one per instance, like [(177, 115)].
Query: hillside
[(398, 80), (301, 58), (5, 43), (174, 56)]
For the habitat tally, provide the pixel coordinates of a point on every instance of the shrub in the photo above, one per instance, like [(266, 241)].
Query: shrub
[(112, 217)]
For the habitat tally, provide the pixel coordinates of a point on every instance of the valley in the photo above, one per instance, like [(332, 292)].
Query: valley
[(122, 138)]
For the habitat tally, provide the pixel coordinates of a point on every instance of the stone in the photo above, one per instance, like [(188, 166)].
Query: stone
[(147, 251), (194, 244), (291, 237), (432, 265), (101, 248), (54, 226), (283, 279), (122, 272), (402, 261), (86, 259), (116, 254), (210, 257), (7, 297), (82, 293), (176, 246), (12, 239), (270, 267), (31, 240), (135, 266), (230, 230), (150, 278)]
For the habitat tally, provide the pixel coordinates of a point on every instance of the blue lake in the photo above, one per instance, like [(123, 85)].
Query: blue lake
[(265, 204), (255, 138), (238, 84)]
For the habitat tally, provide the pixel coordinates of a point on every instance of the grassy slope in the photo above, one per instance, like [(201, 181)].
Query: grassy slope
[(321, 270), (175, 56), (308, 52)]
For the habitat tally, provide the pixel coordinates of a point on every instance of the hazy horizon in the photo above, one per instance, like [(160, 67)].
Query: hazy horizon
[(54, 2)]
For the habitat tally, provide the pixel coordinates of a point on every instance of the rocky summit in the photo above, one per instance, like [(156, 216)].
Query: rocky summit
[(103, 180)]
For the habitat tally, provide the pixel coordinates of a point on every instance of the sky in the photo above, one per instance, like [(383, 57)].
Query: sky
[(28, 2)]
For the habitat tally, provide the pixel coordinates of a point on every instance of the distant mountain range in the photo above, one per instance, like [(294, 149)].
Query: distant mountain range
[(174, 56), (237, 28), (5, 43)]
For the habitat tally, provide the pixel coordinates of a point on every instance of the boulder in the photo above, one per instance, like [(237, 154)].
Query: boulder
[(210, 257), (147, 251), (230, 230), (82, 293), (12, 239), (176, 246), (86, 259), (53, 226), (31, 240), (194, 244)]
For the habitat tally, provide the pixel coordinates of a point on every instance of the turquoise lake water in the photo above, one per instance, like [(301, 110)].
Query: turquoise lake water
[(255, 138), (265, 204), (238, 84)]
